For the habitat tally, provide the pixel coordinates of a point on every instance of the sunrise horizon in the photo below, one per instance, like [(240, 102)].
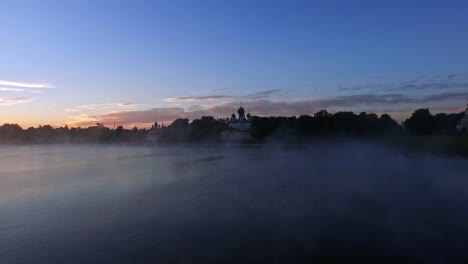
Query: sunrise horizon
[(137, 64)]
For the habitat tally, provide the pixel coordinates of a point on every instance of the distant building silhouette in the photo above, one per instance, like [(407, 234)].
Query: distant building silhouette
[(464, 121), (153, 133), (238, 128)]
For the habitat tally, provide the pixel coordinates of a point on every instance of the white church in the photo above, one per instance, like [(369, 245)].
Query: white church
[(238, 128)]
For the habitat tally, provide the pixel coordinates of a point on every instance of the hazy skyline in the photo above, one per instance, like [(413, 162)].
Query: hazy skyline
[(136, 62)]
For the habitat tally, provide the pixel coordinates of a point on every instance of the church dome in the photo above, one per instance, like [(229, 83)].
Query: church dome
[(241, 111)]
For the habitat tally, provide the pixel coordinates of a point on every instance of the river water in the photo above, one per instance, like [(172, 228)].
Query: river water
[(231, 204)]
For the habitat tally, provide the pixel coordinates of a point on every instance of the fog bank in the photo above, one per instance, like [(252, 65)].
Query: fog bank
[(227, 204)]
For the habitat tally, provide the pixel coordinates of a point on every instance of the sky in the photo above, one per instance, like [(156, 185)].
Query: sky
[(79, 62)]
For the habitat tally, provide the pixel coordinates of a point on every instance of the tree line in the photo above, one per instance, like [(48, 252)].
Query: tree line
[(208, 129), (14, 134)]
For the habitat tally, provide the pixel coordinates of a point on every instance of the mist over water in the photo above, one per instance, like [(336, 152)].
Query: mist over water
[(216, 203)]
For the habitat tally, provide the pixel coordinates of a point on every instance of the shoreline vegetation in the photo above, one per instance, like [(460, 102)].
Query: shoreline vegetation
[(422, 131)]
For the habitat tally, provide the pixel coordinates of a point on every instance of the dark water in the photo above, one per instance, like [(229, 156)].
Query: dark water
[(212, 204)]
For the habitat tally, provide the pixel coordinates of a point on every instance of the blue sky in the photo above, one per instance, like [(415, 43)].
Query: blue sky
[(135, 62)]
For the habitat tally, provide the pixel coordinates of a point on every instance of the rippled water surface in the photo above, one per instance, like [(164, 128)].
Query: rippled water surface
[(215, 204)]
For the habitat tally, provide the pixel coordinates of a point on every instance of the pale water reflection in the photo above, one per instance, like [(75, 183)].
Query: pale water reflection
[(212, 204)]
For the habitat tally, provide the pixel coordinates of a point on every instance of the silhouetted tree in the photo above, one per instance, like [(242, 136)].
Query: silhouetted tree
[(10, 133), (447, 123), (305, 125), (205, 129), (177, 131), (421, 122), (387, 125)]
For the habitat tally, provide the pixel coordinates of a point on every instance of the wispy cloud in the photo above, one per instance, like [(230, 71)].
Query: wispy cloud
[(451, 81), (82, 119), (450, 76), (253, 96), (264, 94), (197, 98), (10, 89), (88, 113), (24, 84), (423, 86), (129, 118), (13, 101), (105, 106), (72, 110), (358, 87), (443, 97), (210, 91), (263, 107), (102, 106)]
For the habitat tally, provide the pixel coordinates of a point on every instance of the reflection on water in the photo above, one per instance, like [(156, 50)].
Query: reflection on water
[(214, 204)]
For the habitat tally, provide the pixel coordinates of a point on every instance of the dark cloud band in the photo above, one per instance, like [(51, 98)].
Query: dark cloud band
[(275, 107)]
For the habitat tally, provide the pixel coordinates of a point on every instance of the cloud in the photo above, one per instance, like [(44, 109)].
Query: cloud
[(262, 107), (428, 86), (101, 106), (419, 83), (450, 76), (196, 98), (208, 91), (82, 119), (13, 101), (10, 89), (253, 96), (357, 87), (13, 89), (105, 106), (264, 94), (444, 97), (72, 110), (130, 118), (24, 85)]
